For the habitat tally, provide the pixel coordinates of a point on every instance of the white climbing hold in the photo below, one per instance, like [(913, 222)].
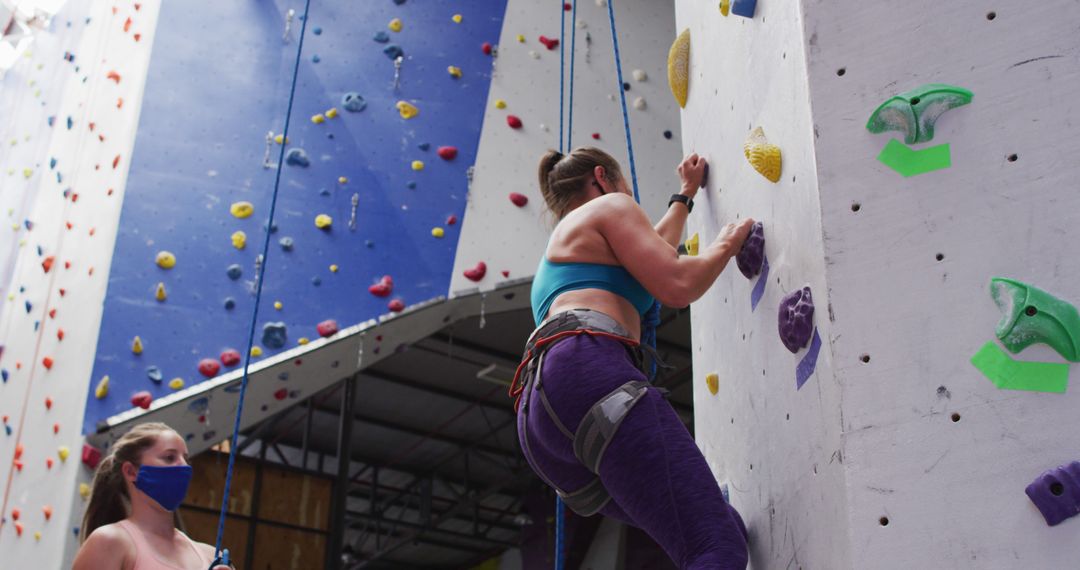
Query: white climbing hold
[(639, 75), (639, 103)]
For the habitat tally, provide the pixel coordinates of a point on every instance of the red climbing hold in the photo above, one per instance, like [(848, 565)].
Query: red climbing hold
[(60, 334), (48, 403), (47, 510), (48, 462), (451, 220), (519, 200), (48, 263), (91, 456), (19, 450), (55, 429), (209, 367), (396, 306), (486, 48), (550, 43), (230, 357), (476, 273), (115, 161), (52, 313), (566, 6), (48, 362), (513, 121), (505, 273), (383, 288), (127, 25), (142, 400), (18, 465), (596, 136), (447, 152), (114, 76), (63, 292), (18, 528), (281, 394), (327, 328), (138, 37), (15, 514)]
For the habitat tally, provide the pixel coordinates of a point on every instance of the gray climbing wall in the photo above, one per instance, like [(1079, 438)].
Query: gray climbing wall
[(897, 452), (526, 78)]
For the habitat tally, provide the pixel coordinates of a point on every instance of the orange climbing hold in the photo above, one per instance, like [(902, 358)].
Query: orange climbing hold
[(18, 529), (48, 263), (47, 362), (114, 76), (19, 450), (47, 511), (48, 403)]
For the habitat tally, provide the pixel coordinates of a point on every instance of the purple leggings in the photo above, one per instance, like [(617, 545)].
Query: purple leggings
[(658, 479)]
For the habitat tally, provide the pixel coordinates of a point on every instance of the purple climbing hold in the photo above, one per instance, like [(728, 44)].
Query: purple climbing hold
[(752, 253), (274, 335), (381, 37), (1057, 493), (353, 102), (796, 319), (393, 51)]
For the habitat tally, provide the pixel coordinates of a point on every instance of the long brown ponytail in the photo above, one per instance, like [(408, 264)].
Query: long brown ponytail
[(109, 500), (562, 177)]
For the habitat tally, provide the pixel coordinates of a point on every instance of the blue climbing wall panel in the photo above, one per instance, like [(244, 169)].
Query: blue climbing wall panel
[(218, 81)]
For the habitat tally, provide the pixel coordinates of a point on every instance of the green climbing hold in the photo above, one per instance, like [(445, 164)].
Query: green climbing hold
[(1030, 315), (915, 112)]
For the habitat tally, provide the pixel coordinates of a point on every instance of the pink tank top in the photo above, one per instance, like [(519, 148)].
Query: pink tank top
[(144, 555)]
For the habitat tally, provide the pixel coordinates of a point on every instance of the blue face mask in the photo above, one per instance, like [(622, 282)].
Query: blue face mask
[(165, 485)]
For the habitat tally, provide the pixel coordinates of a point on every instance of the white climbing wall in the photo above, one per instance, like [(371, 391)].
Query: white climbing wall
[(898, 453), (68, 298), (508, 238)]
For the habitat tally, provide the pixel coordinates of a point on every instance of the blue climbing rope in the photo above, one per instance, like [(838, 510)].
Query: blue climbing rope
[(259, 287), (573, 52), (562, 72)]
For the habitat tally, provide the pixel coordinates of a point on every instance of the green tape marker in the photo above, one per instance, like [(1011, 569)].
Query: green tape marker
[(1009, 374), (899, 157)]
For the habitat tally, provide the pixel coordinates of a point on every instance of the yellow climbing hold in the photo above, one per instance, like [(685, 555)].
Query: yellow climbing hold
[(102, 388), (437, 232), (278, 305), (454, 71), (176, 383), (764, 157), (84, 491), (713, 382), (521, 38), (136, 345), (160, 294), (303, 340), (725, 7), (28, 172), (331, 112), (318, 119), (322, 221), (37, 535), (342, 180), (63, 452), (407, 110), (242, 209), (333, 268), (692, 245), (678, 67), (418, 165), (280, 139), (500, 104), (165, 260), (456, 18), (394, 25), (239, 239)]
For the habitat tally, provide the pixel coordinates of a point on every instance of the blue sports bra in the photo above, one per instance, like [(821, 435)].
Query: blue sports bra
[(553, 279)]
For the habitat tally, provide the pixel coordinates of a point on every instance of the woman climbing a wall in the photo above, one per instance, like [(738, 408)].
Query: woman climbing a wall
[(130, 520), (588, 421)]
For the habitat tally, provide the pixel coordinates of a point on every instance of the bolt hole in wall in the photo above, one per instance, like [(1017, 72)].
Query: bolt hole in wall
[(939, 256), (1031, 311), (865, 358), (915, 100), (855, 207), (884, 521), (991, 15), (1012, 158), (840, 72), (1057, 489), (955, 417)]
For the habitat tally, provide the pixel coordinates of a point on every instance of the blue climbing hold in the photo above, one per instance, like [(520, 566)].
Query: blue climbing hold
[(273, 228), (353, 102), (154, 374), (316, 281), (315, 58), (283, 376), (234, 271), (317, 31), (423, 146), (52, 163), (399, 2), (7, 428), (29, 307), (369, 243), (381, 37), (70, 123), (4, 374), (199, 405), (230, 303), (744, 8), (411, 185), (297, 157), (274, 335), (286, 243), (324, 192), (393, 51)]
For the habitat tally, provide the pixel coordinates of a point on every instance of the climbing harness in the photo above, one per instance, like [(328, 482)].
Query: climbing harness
[(220, 556)]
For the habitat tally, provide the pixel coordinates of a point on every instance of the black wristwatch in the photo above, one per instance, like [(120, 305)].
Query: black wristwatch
[(684, 199)]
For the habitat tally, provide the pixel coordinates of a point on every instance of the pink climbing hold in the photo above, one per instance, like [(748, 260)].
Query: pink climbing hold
[(513, 121), (447, 152), (519, 200), (91, 456), (230, 357), (476, 273), (327, 328), (142, 400), (486, 48), (396, 306), (550, 43), (209, 367), (281, 394), (383, 288)]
